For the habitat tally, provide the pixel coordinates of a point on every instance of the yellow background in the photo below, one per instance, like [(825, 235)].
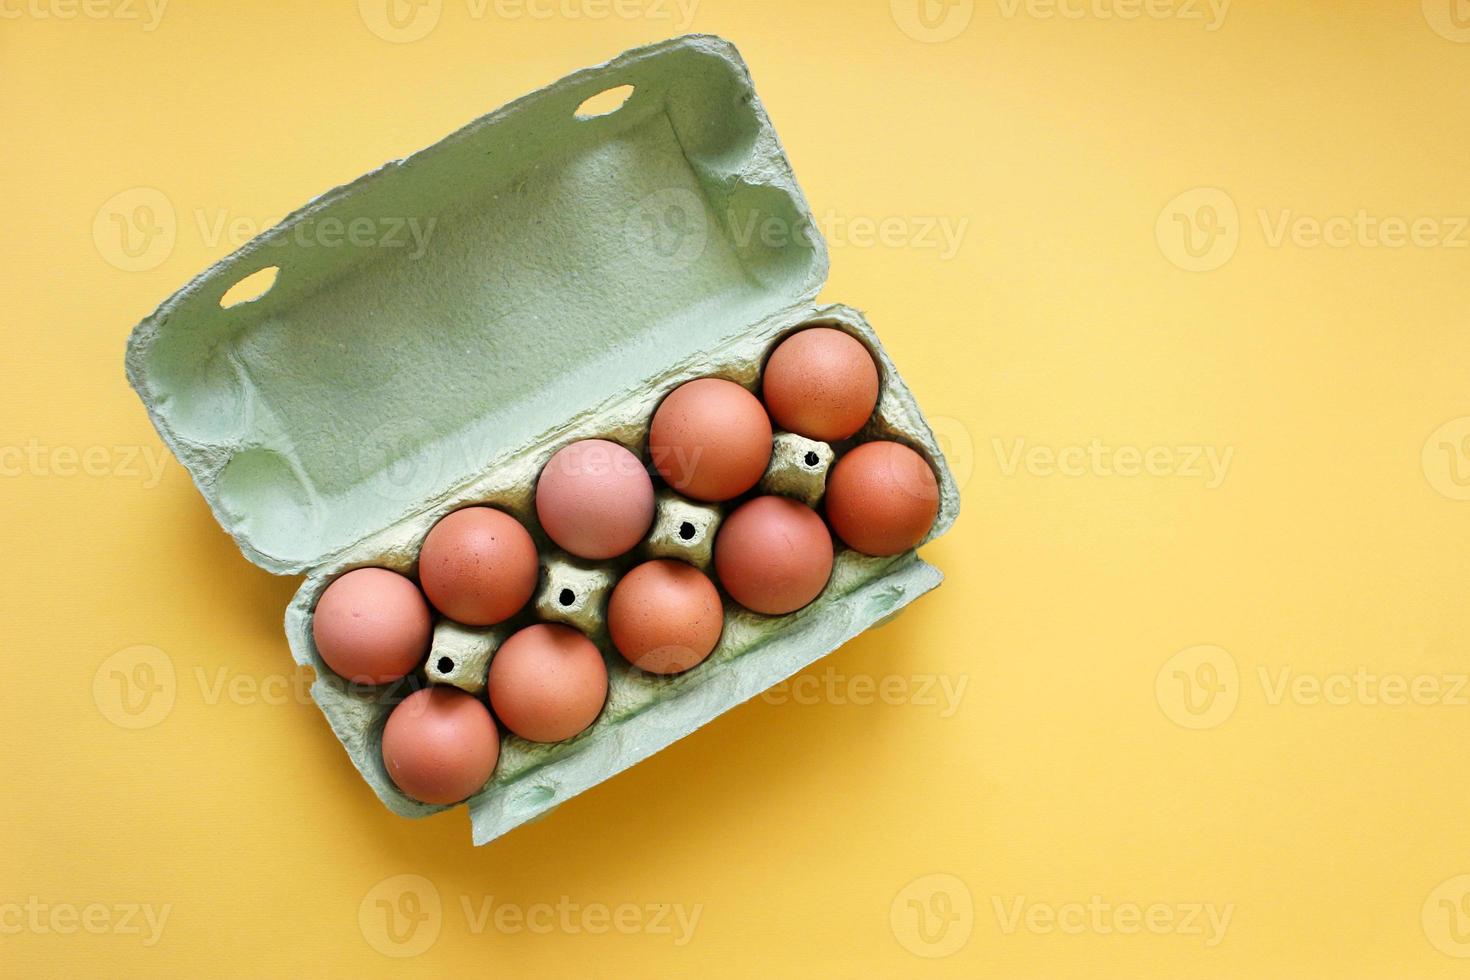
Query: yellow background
[(801, 826)]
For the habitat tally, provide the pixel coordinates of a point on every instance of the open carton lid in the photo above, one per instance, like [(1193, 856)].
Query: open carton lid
[(531, 266)]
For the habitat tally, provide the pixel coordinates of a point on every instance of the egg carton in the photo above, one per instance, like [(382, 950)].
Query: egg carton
[(578, 268)]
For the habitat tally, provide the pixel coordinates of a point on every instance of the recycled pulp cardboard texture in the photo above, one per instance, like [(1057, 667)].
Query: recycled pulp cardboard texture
[(644, 712), (578, 269), (566, 260)]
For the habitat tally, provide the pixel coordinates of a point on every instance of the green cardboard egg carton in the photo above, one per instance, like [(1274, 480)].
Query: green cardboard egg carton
[(576, 269)]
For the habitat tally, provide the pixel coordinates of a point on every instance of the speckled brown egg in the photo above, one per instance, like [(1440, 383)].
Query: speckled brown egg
[(595, 499), (440, 745), (882, 498), (710, 439), (478, 566), (665, 616), (773, 555), (372, 626), (547, 682), (821, 383)]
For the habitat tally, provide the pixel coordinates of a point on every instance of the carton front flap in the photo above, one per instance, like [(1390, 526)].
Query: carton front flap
[(448, 308)]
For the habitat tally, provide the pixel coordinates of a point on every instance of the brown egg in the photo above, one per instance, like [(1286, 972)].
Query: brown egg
[(710, 439), (773, 555), (372, 626), (595, 499), (547, 682), (478, 566), (665, 616), (440, 745), (882, 498), (821, 383)]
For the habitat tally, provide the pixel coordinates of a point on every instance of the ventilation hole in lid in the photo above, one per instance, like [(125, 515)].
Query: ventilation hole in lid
[(604, 103), (566, 597), (686, 531), (810, 459), (445, 665), (251, 288)]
